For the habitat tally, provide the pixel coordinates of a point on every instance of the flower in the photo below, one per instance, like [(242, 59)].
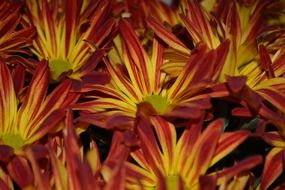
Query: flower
[(24, 123), (183, 163), (139, 83), (15, 35), (250, 73), (66, 31)]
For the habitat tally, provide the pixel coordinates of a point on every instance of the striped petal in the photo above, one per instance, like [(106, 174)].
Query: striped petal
[(273, 167), (197, 23), (167, 138), (167, 36), (34, 97), (150, 147), (8, 100), (136, 59), (203, 152), (244, 165), (227, 143), (20, 172)]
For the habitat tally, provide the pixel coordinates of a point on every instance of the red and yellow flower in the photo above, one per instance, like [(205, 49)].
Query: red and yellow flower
[(139, 82), (67, 32), (24, 123), (182, 163), (250, 72)]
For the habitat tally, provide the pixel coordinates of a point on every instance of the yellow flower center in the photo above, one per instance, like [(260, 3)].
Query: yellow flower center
[(13, 140), (158, 102), (59, 66)]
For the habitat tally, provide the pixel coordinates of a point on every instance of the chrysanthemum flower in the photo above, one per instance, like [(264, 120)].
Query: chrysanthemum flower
[(66, 31), (23, 123), (15, 34), (139, 81), (165, 160), (251, 73)]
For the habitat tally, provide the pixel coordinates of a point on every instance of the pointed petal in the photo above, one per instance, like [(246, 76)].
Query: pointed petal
[(236, 84), (166, 36), (166, 135), (185, 144), (227, 143), (21, 172), (59, 171), (273, 167), (34, 97), (265, 62), (243, 165), (273, 96), (203, 151), (136, 59), (8, 101), (47, 126), (41, 182), (149, 146), (185, 112)]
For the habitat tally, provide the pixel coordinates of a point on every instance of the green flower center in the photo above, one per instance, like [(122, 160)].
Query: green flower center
[(58, 66), (13, 140), (158, 102), (172, 182)]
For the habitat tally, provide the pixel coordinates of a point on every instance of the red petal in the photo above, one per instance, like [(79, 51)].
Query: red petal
[(265, 62), (273, 167), (236, 84), (20, 171)]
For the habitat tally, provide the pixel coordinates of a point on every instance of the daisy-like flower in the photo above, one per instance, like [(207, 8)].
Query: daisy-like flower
[(173, 163), (66, 31), (24, 123), (140, 82), (250, 72), (15, 34)]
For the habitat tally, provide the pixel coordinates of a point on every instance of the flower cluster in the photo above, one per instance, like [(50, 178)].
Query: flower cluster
[(139, 94)]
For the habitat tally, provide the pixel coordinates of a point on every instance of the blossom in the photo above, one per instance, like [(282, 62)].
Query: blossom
[(183, 163), (66, 31), (140, 82), (25, 122), (250, 73)]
